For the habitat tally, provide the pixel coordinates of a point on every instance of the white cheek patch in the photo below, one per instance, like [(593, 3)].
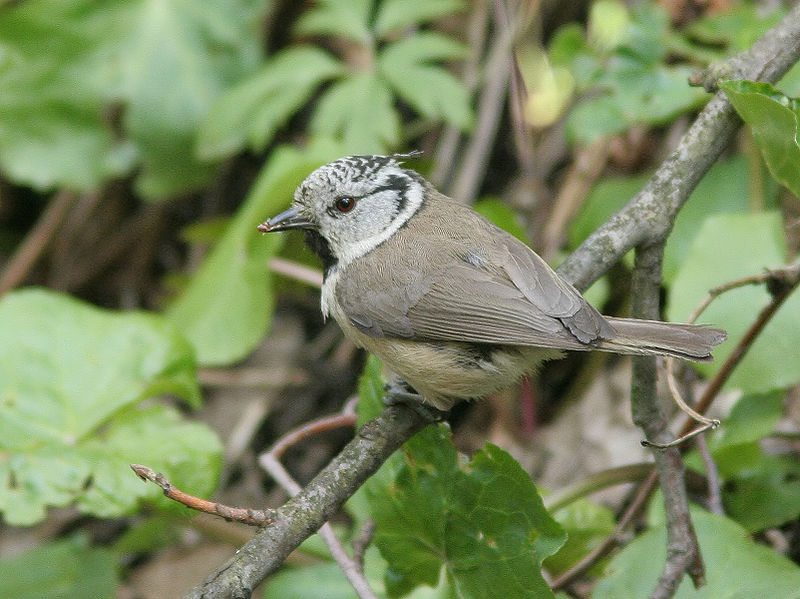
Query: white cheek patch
[(347, 251)]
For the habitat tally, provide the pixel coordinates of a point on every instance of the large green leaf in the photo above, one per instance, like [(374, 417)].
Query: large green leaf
[(348, 19), (227, 308), (67, 569), (162, 61), (774, 120), (481, 522), (396, 14), (71, 413), (359, 111), (177, 58), (728, 247), (429, 88), (52, 131), (251, 112), (736, 567), (726, 188)]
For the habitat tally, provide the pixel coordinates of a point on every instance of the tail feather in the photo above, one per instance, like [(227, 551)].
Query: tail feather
[(686, 341)]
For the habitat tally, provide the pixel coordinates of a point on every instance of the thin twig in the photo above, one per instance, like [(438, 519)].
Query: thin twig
[(776, 280), (299, 272), (633, 511), (237, 514), (347, 417), (490, 105), (362, 541), (36, 241), (712, 475), (303, 514), (596, 482), (270, 461), (449, 143)]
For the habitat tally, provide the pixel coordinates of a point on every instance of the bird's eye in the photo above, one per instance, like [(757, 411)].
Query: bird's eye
[(345, 204)]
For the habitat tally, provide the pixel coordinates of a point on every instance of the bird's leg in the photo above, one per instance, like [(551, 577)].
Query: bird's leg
[(400, 392)]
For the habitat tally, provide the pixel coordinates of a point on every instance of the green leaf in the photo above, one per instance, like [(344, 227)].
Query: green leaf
[(428, 88), (751, 418), (736, 567), (158, 436), (67, 569), (726, 188), (774, 120), (162, 62), (761, 491), (52, 132), (324, 580), (74, 377), (642, 95), (396, 14), (348, 19), (227, 308), (728, 247), (736, 28), (587, 524), (359, 112), (622, 76), (177, 58), (251, 112), (482, 521)]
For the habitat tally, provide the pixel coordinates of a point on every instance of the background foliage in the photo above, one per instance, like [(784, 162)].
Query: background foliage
[(141, 142)]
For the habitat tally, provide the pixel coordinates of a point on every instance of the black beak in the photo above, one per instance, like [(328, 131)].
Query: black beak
[(288, 219)]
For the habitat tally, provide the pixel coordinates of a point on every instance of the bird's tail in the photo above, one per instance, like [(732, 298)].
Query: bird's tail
[(686, 341)]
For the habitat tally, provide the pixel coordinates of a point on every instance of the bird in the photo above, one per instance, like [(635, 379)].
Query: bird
[(453, 305)]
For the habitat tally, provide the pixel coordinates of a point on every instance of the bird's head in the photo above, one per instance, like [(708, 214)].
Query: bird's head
[(352, 205)]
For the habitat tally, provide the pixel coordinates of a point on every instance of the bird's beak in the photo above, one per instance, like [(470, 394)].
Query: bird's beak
[(288, 219)]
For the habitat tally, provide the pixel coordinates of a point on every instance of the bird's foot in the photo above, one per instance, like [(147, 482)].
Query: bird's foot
[(399, 392)]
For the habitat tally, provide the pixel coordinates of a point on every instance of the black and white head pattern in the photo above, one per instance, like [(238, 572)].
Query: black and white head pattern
[(358, 202)]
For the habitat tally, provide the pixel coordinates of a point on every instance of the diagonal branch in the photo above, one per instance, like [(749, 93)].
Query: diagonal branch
[(302, 515), (649, 216)]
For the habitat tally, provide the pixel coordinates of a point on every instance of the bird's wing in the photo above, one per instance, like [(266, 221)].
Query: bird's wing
[(551, 294), (521, 303)]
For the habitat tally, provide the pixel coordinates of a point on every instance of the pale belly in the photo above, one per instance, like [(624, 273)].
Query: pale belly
[(446, 372)]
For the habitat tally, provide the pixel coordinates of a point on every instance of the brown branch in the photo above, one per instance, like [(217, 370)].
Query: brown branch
[(683, 552), (36, 241), (302, 515), (649, 216), (237, 514), (347, 417), (299, 272)]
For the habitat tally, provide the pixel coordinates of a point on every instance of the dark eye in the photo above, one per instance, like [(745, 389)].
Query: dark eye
[(345, 204)]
